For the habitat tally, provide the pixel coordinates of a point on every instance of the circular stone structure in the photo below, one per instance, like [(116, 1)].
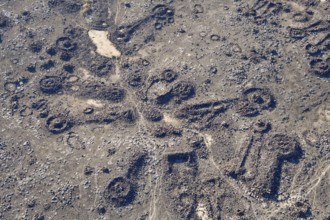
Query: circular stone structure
[(58, 123), (285, 146), (50, 84), (169, 75), (119, 192), (255, 100)]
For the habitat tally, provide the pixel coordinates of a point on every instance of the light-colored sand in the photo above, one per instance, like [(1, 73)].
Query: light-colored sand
[(95, 103), (104, 46), (170, 120), (202, 212)]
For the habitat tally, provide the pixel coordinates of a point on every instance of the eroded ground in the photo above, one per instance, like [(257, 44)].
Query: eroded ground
[(164, 109)]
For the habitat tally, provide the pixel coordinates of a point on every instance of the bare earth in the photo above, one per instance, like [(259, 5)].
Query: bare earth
[(164, 109)]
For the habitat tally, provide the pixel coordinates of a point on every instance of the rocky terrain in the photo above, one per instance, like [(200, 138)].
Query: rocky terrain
[(164, 109)]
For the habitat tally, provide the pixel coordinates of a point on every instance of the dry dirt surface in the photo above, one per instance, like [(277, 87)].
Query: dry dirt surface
[(164, 109)]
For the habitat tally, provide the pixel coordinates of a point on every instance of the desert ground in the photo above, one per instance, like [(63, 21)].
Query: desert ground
[(164, 109)]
